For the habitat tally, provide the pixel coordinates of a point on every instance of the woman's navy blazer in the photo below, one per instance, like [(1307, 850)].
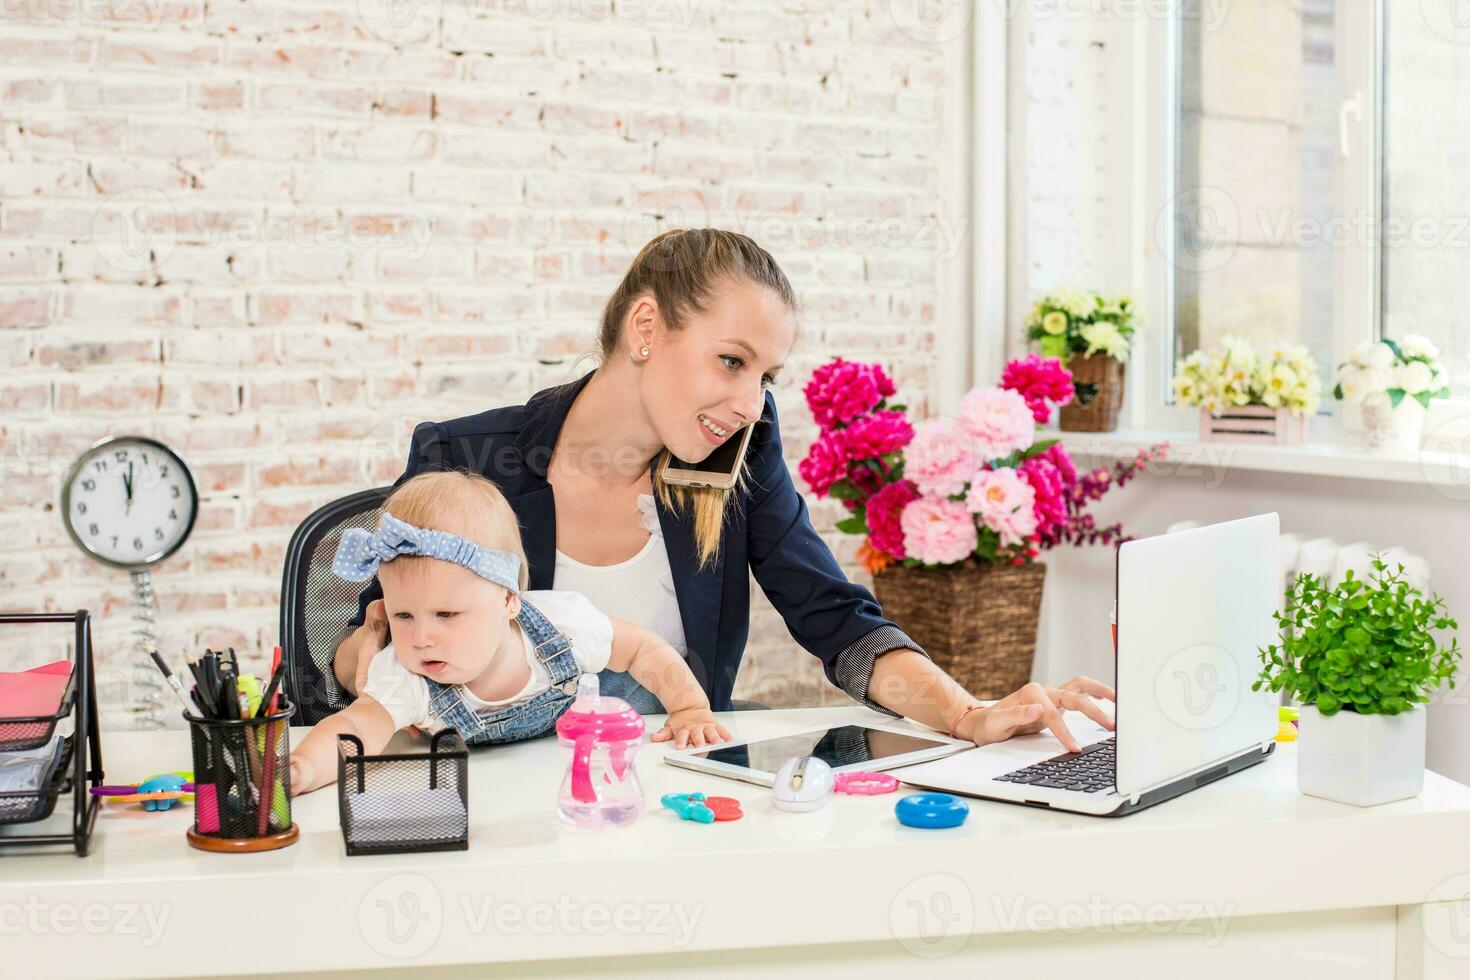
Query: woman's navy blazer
[(768, 530)]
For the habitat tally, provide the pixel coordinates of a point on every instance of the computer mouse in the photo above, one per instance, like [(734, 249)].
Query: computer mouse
[(802, 784)]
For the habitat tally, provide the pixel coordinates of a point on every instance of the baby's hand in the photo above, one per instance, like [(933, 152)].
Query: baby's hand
[(303, 776), (692, 726)]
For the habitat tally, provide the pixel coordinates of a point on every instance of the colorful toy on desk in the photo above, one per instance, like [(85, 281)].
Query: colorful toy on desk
[(1289, 721), (725, 808), (155, 793), (865, 783), (689, 806), (931, 811)]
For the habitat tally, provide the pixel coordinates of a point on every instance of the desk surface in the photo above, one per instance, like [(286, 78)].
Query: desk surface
[(1247, 845)]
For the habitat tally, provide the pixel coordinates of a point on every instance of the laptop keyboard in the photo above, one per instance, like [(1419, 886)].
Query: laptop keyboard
[(1088, 771)]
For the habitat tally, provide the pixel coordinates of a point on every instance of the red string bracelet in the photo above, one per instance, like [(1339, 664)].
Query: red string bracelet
[(954, 725)]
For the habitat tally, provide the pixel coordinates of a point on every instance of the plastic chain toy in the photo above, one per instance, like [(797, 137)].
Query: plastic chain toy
[(701, 808), (931, 811), (865, 783)]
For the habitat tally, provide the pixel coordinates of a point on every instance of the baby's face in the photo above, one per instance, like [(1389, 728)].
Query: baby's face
[(446, 622)]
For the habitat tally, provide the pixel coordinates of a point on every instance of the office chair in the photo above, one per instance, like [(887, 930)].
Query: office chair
[(316, 606)]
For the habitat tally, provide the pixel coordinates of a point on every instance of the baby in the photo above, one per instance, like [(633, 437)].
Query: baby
[(471, 648)]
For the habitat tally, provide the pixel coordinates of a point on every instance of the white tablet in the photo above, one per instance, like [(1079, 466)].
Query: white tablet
[(843, 747)]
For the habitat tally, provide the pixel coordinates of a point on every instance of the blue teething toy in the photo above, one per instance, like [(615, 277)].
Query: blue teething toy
[(689, 806), (931, 810)]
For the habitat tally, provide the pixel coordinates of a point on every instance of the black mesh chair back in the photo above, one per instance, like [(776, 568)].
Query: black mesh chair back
[(316, 604)]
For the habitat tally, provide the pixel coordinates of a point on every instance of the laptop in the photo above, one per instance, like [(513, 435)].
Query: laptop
[(1193, 611)]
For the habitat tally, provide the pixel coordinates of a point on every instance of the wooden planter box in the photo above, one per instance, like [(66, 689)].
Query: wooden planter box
[(977, 622), (1098, 384), (1254, 424)]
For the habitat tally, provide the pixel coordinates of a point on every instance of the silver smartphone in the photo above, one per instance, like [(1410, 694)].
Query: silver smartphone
[(717, 470)]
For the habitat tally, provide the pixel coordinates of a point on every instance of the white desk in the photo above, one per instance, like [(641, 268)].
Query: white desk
[(1241, 877)]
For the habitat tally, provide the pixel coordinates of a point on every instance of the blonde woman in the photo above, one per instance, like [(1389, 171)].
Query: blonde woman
[(690, 341)]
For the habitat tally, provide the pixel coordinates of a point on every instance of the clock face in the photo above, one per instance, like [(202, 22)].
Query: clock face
[(130, 501)]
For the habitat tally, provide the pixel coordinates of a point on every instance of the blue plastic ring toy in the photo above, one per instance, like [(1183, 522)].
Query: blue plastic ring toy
[(931, 810)]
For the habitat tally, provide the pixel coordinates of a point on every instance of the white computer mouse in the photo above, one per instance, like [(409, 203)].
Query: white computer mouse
[(802, 784)]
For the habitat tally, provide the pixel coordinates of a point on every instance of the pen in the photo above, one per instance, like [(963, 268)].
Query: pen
[(268, 700), (168, 675)]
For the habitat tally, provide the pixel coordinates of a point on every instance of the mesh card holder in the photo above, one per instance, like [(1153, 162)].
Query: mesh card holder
[(394, 804)]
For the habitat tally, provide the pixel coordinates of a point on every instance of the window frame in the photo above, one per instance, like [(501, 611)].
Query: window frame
[(1152, 91)]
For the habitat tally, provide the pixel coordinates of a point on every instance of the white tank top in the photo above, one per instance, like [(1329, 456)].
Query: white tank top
[(640, 590)]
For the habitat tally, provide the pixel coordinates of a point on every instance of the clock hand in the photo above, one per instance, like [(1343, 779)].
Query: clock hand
[(128, 485)]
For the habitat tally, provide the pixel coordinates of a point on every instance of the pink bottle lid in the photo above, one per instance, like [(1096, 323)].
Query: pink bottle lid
[(604, 719)]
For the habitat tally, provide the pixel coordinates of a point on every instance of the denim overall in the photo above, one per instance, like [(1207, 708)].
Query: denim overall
[(526, 719)]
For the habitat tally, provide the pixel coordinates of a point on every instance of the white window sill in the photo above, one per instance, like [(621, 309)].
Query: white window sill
[(1339, 458)]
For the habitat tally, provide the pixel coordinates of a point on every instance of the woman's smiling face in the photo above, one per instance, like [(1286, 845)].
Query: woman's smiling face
[(703, 383)]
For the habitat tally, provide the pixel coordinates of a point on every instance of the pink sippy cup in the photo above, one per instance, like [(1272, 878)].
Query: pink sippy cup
[(601, 788)]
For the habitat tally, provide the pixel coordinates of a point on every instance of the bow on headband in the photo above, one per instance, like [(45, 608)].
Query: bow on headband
[(360, 553)]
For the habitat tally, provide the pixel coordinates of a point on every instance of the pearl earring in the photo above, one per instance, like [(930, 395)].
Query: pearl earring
[(643, 352)]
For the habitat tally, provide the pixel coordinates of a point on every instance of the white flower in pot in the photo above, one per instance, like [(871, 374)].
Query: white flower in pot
[(1393, 384), (1362, 658)]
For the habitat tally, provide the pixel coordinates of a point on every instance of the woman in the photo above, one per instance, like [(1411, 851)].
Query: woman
[(691, 339)]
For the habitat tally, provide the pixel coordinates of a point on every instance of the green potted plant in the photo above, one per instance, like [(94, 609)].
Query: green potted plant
[(1363, 658)]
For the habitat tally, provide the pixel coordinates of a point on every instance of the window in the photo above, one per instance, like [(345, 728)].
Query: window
[(1318, 178), (1426, 181), (1255, 166)]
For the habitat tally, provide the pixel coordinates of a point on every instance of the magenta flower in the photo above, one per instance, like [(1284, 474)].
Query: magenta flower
[(842, 390), (940, 460), (826, 462), (871, 436), (1050, 491), (938, 531), (885, 513), (999, 420), (1041, 381)]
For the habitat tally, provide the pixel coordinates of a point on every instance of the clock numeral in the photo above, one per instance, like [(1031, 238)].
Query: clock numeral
[(120, 455), (137, 544), (114, 540), (145, 459), (163, 471), (173, 515), (173, 492), (100, 465), (158, 533), (81, 506), (89, 485), (92, 530)]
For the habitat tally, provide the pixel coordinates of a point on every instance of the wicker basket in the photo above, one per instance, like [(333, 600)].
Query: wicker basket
[(1099, 383), (978, 622)]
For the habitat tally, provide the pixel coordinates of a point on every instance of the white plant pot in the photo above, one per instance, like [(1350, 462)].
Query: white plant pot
[(1361, 759), (1394, 430)]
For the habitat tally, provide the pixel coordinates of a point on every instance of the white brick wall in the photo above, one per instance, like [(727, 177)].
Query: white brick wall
[(276, 234)]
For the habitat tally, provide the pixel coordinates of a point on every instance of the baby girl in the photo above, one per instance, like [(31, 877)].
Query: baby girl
[(471, 648)]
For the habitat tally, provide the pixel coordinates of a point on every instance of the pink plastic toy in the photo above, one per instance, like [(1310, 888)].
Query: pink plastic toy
[(601, 788), (865, 783)]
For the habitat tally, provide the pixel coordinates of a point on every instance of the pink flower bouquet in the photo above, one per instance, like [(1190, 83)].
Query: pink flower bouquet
[(980, 486)]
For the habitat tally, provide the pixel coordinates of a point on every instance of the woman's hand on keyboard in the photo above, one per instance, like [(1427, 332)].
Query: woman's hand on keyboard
[(1035, 707)]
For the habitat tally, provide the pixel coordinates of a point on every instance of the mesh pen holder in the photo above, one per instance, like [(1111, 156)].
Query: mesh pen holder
[(242, 782), (394, 804)]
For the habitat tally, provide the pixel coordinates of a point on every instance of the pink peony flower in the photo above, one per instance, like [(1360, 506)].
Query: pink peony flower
[(826, 462), (842, 390), (1042, 381), (940, 459), (885, 512), (1051, 493), (870, 436), (1059, 458), (1005, 503), (999, 420), (938, 531)]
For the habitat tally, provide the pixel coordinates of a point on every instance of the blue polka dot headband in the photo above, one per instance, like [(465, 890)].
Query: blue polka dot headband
[(360, 552)]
